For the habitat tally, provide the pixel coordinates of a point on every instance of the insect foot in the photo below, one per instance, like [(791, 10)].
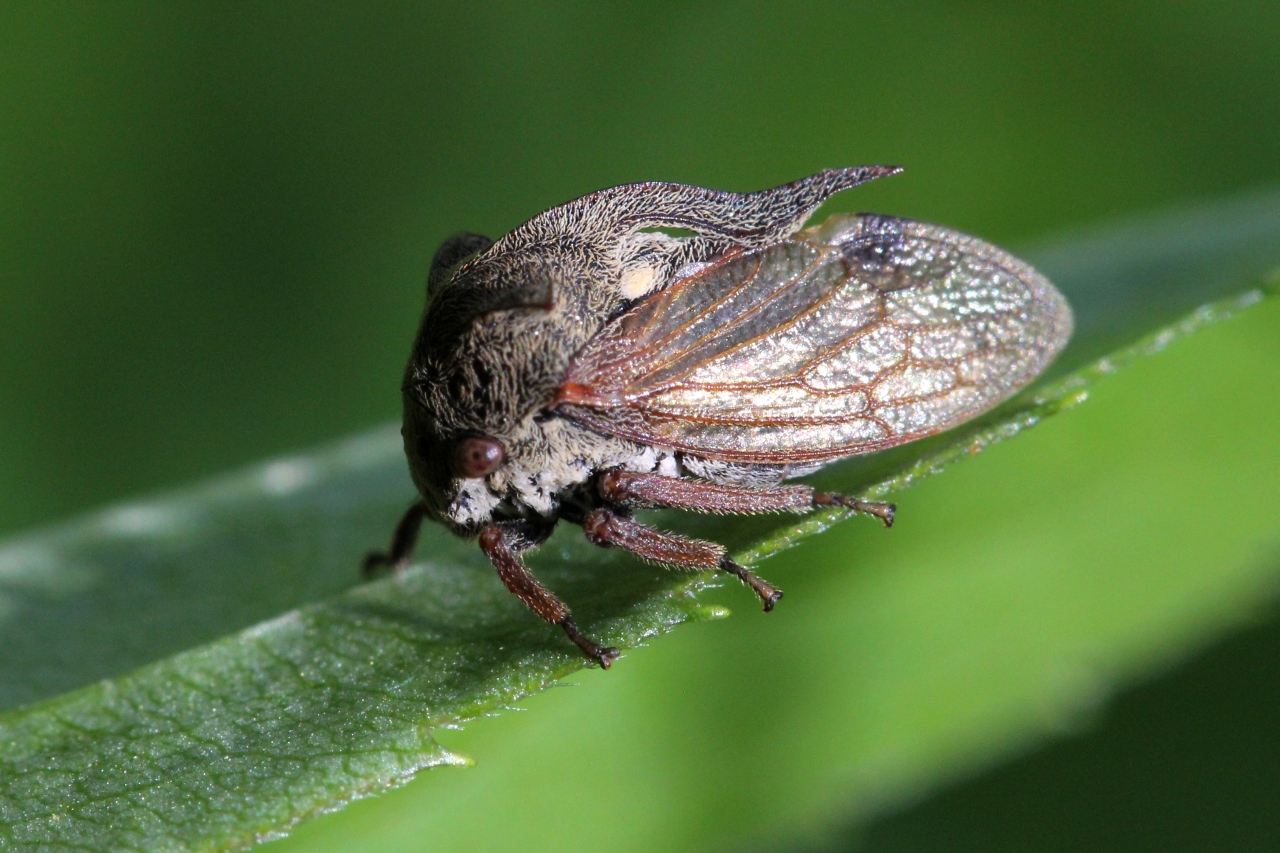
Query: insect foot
[(769, 594), (379, 562), (603, 655), (883, 511)]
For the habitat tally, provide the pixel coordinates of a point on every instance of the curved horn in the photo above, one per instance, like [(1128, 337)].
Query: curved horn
[(747, 219)]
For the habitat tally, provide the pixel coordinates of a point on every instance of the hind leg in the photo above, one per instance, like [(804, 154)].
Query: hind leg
[(625, 488)]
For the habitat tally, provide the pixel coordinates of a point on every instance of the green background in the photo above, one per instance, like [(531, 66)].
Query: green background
[(215, 221)]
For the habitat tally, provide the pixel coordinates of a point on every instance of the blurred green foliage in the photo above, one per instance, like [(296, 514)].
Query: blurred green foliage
[(215, 220)]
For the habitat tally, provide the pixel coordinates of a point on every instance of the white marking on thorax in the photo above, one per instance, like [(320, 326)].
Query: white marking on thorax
[(637, 282), (474, 504)]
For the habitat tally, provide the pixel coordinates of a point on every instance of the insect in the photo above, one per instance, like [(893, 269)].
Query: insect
[(587, 364)]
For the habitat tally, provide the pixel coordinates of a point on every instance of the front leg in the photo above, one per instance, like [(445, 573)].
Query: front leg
[(627, 488), (502, 543), (402, 542)]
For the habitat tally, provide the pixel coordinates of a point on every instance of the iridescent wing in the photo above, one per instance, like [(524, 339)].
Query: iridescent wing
[(863, 333)]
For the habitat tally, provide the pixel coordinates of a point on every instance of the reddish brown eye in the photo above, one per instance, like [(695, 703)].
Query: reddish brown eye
[(477, 457)]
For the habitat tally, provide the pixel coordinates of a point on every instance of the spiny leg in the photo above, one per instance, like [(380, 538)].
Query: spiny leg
[(627, 488), (502, 543), (607, 528), (402, 542)]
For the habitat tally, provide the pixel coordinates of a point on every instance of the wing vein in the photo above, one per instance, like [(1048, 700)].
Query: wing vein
[(744, 318), (776, 356)]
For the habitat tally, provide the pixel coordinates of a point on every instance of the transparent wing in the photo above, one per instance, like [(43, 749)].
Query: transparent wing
[(863, 333)]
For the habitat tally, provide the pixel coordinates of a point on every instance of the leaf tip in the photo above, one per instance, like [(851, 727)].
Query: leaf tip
[(454, 759)]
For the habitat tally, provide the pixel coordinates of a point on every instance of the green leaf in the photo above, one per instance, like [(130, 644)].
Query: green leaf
[(239, 738)]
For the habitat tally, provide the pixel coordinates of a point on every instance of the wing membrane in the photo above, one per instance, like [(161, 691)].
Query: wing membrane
[(861, 334)]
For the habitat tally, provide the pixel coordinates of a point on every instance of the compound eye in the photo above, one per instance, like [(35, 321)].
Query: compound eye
[(477, 457)]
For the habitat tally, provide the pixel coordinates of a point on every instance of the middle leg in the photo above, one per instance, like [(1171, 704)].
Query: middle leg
[(606, 527)]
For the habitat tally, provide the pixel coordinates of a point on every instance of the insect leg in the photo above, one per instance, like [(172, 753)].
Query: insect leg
[(627, 488), (402, 542), (882, 511), (502, 543), (607, 528)]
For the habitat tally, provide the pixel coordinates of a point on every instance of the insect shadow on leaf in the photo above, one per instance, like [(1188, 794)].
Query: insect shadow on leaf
[(662, 345)]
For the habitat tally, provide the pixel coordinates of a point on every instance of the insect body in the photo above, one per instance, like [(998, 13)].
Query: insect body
[(586, 364)]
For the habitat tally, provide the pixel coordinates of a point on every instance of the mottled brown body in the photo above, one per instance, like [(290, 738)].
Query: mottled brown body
[(582, 366)]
